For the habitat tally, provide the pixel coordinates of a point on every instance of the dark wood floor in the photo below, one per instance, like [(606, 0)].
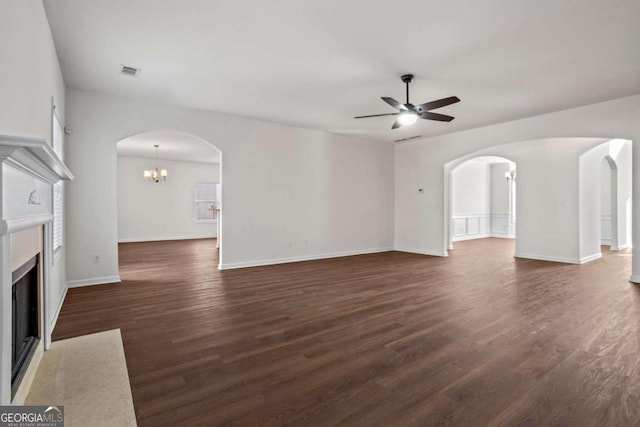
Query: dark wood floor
[(479, 338)]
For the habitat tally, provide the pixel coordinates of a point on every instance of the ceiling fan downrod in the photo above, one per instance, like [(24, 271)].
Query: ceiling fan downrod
[(407, 78)]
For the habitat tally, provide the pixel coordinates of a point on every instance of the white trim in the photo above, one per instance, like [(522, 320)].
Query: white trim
[(9, 226), (472, 215), (53, 321), (619, 247), (160, 239), (93, 281), (502, 236), (34, 157), (591, 257), (605, 242), (423, 252), (259, 263), (634, 278), (485, 226), (565, 260), (471, 237)]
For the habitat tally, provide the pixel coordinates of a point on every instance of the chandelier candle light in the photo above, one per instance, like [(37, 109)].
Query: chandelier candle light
[(155, 174)]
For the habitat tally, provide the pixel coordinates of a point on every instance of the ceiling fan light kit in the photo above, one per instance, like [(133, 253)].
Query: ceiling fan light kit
[(408, 113), (407, 118)]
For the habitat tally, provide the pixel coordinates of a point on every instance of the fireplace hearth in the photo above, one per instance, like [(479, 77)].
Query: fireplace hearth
[(25, 331)]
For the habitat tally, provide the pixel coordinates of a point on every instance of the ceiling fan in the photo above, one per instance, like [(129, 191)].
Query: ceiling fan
[(408, 113)]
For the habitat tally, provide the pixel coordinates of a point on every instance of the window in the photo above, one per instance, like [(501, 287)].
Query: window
[(205, 202), (58, 189)]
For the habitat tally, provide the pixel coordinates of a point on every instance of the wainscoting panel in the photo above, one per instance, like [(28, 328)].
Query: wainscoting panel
[(478, 226), (502, 226), (471, 226)]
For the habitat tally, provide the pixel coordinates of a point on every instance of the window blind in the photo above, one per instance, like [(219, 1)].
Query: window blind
[(58, 189), (205, 201)]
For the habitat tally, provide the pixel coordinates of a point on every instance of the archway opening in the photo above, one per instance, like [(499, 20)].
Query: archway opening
[(483, 199), (169, 188), (608, 203)]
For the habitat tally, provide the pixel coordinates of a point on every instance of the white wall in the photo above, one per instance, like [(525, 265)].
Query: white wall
[(288, 193), (502, 219), (472, 189), (480, 201), (471, 201), (605, 188), (593, 175), (547, 206), (29, 76), (421, 219), (161, 211), (500, 187), (623, 154)]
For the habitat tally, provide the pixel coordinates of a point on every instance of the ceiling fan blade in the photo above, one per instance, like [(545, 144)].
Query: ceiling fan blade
[(438, 103), (395, 104), (376, 115), (435, 116), (396, 125)]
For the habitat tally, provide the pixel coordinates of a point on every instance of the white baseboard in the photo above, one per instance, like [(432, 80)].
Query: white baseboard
[(246, 264), (470, 237), (558, 259), (503, 236), (422, 251), (54, 320), (634, 279), (93, 281), (619, 248), (605, 242), (591, 257), (161, 239)]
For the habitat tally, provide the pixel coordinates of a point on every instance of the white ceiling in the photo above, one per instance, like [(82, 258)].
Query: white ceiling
[(172, 146), (318, 63)]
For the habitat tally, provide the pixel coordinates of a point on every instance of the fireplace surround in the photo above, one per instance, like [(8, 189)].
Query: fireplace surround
[(28, 170)]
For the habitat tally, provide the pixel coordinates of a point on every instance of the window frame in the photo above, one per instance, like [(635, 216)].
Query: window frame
[(213, 202)]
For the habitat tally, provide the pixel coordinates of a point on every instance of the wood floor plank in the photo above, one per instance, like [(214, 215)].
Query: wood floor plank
[(478, 338)]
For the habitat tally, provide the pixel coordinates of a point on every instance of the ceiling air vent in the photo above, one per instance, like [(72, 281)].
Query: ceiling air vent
[(130, 71), (407, 139)]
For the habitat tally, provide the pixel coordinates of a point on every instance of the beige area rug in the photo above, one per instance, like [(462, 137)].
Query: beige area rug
[(88, 375)]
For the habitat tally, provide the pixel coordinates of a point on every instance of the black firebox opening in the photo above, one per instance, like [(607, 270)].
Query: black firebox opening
[(25, 333)]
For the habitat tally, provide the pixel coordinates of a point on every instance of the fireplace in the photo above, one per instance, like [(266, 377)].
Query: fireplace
[(24, 319), (29, 168)]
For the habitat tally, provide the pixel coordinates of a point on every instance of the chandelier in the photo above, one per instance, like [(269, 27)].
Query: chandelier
[(155, 174), (511, 175)]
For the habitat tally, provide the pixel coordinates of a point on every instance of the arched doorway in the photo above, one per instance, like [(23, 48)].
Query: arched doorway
[(169, 188), (483, 199), (609, 203)]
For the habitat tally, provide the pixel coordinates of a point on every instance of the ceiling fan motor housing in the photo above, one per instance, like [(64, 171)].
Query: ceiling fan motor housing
[(407, 78)]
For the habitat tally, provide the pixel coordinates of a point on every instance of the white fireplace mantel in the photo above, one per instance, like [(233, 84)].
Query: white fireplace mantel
[(28, 170)]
